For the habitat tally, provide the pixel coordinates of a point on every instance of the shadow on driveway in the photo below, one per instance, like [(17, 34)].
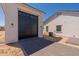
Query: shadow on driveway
[(31, 45)]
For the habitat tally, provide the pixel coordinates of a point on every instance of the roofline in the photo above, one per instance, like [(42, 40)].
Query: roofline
[(34, 8), (68, 11), (53, 15), (60, 11)]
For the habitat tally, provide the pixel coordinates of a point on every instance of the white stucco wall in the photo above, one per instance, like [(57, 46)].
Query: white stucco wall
[(11, 16), (69, 24)]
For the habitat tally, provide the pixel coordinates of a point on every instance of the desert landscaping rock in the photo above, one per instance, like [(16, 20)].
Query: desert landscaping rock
[(10, 51), (2, 36)]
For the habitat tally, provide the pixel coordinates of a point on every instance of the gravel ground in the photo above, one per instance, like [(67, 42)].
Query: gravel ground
[(2, 36), (10, 50)]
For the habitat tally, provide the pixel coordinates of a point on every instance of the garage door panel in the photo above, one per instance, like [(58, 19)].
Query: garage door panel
[(28, 25)]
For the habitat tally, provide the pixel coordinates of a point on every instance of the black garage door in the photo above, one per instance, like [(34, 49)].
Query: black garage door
[(27, 25)]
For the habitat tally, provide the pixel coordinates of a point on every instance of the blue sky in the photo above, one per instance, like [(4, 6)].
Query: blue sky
[(2, 17), (51, 8), (48, 8)]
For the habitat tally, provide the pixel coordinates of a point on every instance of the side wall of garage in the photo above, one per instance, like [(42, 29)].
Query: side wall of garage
[(11, 17), (11, 20)]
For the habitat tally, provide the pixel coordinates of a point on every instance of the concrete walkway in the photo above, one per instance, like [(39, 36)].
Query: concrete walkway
[(60, 48), (69, 41), (57, 49)]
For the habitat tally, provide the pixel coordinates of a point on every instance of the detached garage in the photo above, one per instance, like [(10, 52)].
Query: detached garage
[(22, 21)]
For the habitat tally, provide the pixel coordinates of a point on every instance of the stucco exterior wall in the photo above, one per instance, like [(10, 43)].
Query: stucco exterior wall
[(69, 24), (11, 17)]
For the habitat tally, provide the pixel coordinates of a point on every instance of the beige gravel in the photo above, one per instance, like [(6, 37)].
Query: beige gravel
[(2, 36), (7, 50)]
